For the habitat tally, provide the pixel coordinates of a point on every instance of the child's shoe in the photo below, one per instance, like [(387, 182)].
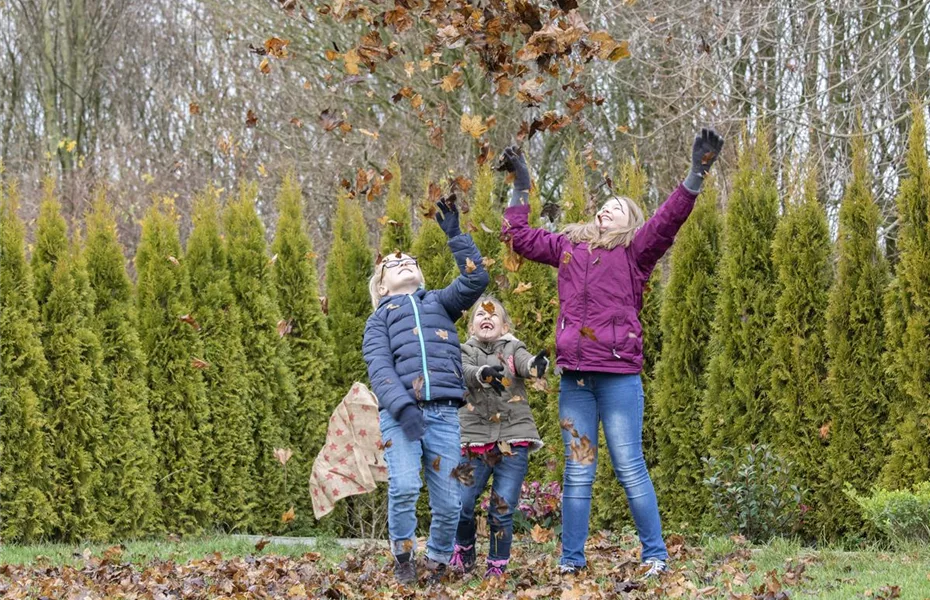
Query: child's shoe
[(570, 570), (405, 569), (656, 566), (496, 568), (436, 571), (463, 559)]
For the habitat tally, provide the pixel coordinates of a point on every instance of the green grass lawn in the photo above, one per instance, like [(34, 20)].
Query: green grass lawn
[(714, 562)]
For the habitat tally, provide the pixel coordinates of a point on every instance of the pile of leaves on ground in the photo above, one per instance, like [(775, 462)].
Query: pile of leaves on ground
[(613, 572)]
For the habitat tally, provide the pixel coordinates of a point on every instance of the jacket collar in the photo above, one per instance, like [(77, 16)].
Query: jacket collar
[(384, 300), (488, 346)]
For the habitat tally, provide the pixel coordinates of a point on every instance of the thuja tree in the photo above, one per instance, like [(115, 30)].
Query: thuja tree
[(574, 199), (348, 268), (129, 479), (225, 370), (177, 401), (801, 255), (908, 321), (677, 391), (736, 405), (304, 323), (26, 514), (272, 391), (74, 398), (484, 224), (396, 228), (854, 332)]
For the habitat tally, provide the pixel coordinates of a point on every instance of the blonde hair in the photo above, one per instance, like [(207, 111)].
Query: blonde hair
[(374, 282), (590, 232), (498, 307)]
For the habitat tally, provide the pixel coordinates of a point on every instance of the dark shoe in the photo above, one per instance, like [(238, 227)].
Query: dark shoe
[(436, 571), (405, 569), (496, 568), (463, 559)]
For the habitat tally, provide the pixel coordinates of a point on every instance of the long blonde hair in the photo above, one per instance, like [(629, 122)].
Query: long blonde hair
[(590, 232)]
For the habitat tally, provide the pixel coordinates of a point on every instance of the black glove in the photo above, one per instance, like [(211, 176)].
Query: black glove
[(704, 152), (493, 376), (412, 422), (448, 218), (512, 161), (540, 363)]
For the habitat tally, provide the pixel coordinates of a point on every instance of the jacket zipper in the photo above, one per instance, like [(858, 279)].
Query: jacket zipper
[(416, 317), (584, 313)]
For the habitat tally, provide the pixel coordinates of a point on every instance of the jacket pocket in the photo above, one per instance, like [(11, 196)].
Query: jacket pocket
[(627, 342)]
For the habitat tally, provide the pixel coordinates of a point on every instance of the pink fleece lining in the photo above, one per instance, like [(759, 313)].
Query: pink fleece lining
[(485, 448)]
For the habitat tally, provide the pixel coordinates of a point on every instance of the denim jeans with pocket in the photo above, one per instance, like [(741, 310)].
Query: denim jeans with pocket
[(440, 447), (508, 475), (616, 402)]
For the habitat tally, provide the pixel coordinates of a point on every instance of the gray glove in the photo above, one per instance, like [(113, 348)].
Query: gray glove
[(512, 160), (704, 152), (412, 422)]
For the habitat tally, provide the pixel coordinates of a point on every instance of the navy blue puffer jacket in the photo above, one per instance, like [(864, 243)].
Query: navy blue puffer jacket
[(410, 343)]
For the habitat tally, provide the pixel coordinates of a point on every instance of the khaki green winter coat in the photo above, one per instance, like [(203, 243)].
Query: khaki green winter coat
[(489, 417)]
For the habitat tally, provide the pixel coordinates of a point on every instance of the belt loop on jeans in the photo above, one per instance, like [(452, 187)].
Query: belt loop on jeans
[(441, 402)]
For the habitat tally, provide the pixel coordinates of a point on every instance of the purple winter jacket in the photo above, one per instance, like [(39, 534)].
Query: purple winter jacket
[(601, 291)]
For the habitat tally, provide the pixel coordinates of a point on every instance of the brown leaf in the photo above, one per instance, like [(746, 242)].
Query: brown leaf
[(251, 119), (436, 463), (465, 473), (583, 451), (288, 516), (443, 334), (512, 261), (470, 265), (276, 47), (284, 327), (324, 304), (193, 108), (514, 399), (472, 125), (489, 307), (498, 503), (416, 331), (566, 258), (265, 66), (283, 455), (199, 363), (190, 321), (825, 430), (504, 448), (708, 156), (588, 333), (495, 418), (418, 387), (540, 535), (174, 261), (522, 287), (260, 544)]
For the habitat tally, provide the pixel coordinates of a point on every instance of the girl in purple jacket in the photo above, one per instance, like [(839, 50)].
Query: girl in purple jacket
[(603, 266)]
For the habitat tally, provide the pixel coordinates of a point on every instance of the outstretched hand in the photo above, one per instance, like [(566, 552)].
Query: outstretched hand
[(448, 218), (511, 160), (540, 364), (493, 376), (704, 152)]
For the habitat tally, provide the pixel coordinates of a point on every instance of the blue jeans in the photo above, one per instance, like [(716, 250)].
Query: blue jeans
[(508, 482), (404, 460), (616, 401)]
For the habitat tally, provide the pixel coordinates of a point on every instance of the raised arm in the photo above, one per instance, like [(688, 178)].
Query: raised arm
[(655, 237), (465, 290), (535, 244)]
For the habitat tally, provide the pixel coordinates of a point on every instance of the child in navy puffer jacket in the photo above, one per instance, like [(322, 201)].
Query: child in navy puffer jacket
[(415, 368)]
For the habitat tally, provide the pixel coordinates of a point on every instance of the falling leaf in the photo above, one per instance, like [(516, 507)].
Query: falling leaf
[(276, 47), (288, 516), (193, 108), (708, 156), (540, 535), (199, 363), (489, 307), (442, 333), (495, 418), (451, 81), (580, 383), (283, 455), (504, 448), (174, 261), (588, 333), (566, 258), (392, 306), (583, 452), (825, 430), (265, 66), (498, 502), (260, 544), (251, 119), (470, 407), (418, 388), (470, 266), (284, 327), (514, 399), (505, 381), (436, 463), (465, 473), (190, 321), (324, 304), (371, 134), (472, 125), (512, 261), (350, 60), (522, 287)]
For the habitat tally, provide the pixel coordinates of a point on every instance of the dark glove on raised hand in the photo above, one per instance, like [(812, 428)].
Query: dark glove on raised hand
[(448, 218), (704, 152), (493, 376), (412, 423), (540, 364), (512, 161)]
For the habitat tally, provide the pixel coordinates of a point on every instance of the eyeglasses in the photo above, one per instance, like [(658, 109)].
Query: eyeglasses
[(409, 261)]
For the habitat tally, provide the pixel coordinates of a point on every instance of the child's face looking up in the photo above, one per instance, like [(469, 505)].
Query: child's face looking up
[(487, 325), (399, 276), (613, 216)]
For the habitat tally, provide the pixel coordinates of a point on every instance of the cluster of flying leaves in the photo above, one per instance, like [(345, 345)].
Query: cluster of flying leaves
[(614, 572)]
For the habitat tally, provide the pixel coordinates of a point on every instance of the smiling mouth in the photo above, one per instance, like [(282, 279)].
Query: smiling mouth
[(487, 327)]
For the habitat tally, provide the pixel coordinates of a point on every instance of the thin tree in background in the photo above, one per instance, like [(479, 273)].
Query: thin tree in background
[(73, 402), (130, 504), (396, 228), (26, 511), (907, 310), (854, 335), (271, 386), (178, 403), (304, 326), (225, 369), (736, 407), (678, 389), (484, 224), (801, 255), (348, 269)]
